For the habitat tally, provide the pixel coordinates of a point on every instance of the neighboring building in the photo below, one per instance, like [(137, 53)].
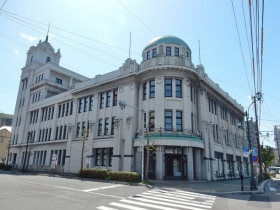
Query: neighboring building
[(6, 122), (5, 133), (191, 120)]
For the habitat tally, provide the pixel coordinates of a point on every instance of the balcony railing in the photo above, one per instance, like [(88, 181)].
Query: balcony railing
[(167, 133)]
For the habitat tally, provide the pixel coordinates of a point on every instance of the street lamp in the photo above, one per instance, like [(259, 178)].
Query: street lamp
[(29, 136), (122, 106)]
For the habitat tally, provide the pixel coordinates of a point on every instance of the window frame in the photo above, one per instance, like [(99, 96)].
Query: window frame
[(108, 99), (102, 98), (165, 88), (176, 51), (154, 53), (165, 120), (144, 91), (180, 118), (168, 51), (152, 92), (178, 86)]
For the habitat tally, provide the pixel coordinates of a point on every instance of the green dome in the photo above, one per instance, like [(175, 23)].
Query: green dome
[(166, 39)]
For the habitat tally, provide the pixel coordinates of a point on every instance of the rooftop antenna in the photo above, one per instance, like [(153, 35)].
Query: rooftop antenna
[(48, 33), (129, 44), (199, 52)]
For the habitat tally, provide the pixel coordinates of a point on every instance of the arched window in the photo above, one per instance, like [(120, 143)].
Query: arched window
[(48, 59), (31, 59)]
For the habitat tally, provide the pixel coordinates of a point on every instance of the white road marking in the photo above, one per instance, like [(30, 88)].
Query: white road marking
[(175, 199), (272, 189), (126, 206), (167, 204), (172, 194), (147, 205), (177, 202), (105, 208), (101, 188), (196, 195), (67, 188)]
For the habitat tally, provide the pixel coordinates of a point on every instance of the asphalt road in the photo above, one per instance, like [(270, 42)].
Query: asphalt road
[(30, 192)]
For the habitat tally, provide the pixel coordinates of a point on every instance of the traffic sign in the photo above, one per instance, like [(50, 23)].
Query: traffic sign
[(255, 159)]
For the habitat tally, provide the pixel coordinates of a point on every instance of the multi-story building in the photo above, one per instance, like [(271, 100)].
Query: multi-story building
[(189, 119), (5, 132)]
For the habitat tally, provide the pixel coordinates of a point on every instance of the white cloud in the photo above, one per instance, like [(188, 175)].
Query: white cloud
[(17, 53), (122, 20), (29, 38)]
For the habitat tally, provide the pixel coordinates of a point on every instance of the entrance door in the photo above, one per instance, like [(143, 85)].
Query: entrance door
[(174, 167), (14, 159)]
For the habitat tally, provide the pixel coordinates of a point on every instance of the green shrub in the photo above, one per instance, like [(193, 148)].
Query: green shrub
[(5, 167), (2, 165), (109, 175)]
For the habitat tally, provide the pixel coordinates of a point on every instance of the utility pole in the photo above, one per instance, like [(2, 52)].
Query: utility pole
[(276, 138), (258, 95)]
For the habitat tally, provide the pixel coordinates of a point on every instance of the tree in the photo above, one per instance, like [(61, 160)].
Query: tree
[(267, 156), (83, 138), (149, 147)]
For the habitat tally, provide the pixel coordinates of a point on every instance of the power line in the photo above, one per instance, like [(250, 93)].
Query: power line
[(72, 46), (138, 18), (240, 45), (71, 32), (3, 5), (65, 37)]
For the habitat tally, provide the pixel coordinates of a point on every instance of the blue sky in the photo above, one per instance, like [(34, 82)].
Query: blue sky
[(111, 22)]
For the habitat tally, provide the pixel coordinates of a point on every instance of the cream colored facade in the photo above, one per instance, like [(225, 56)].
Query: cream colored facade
[(5, 133), (192, 120)]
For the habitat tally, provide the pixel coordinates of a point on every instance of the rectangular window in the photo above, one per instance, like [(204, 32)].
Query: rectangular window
[(63, 110), (49, 116), (43, 110), (97, 157), (168, 50), (106, 127), (178, 88), (81, 105), (90, 103), (17, 121), (39, 96), (16, 139), (64, 131), (110, 156), (67, 109), (154, 52), (115, 99), (20, 121), (56, 133), (168, 87), (152, 89), (148, 55), (19, 103), (31, 114), (179, 122), (192, 122), (46, 114), (52, 112), (71, 107), (60, 132), (176, 51), (100, 127), (59, 111), (152, 121), (46, 136), (191, 89), (86, 104), (168, 120), (63, 157), (58, 81), (108, 99), (43, 135), (44, 158), (113, 126), (50, 132), (40, 133), (104, 157), (102, 96), (145, 91), (78, 129), (83, 128), (33, 99)]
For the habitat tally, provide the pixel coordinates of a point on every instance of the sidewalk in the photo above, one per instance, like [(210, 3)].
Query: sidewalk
[(231, 186)]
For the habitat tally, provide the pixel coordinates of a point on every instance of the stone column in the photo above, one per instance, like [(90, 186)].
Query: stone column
[(116, 162), (190, 162), (160, 168), (128, 151)]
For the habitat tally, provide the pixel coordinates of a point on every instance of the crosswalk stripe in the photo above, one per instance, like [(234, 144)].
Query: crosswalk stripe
[(178, 202), (105, 208), (181, 196), (197, 196), (167, 204), (193, 193), (173, 198), (172, 194), (100, 188), (126, 206), (148, 205)]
